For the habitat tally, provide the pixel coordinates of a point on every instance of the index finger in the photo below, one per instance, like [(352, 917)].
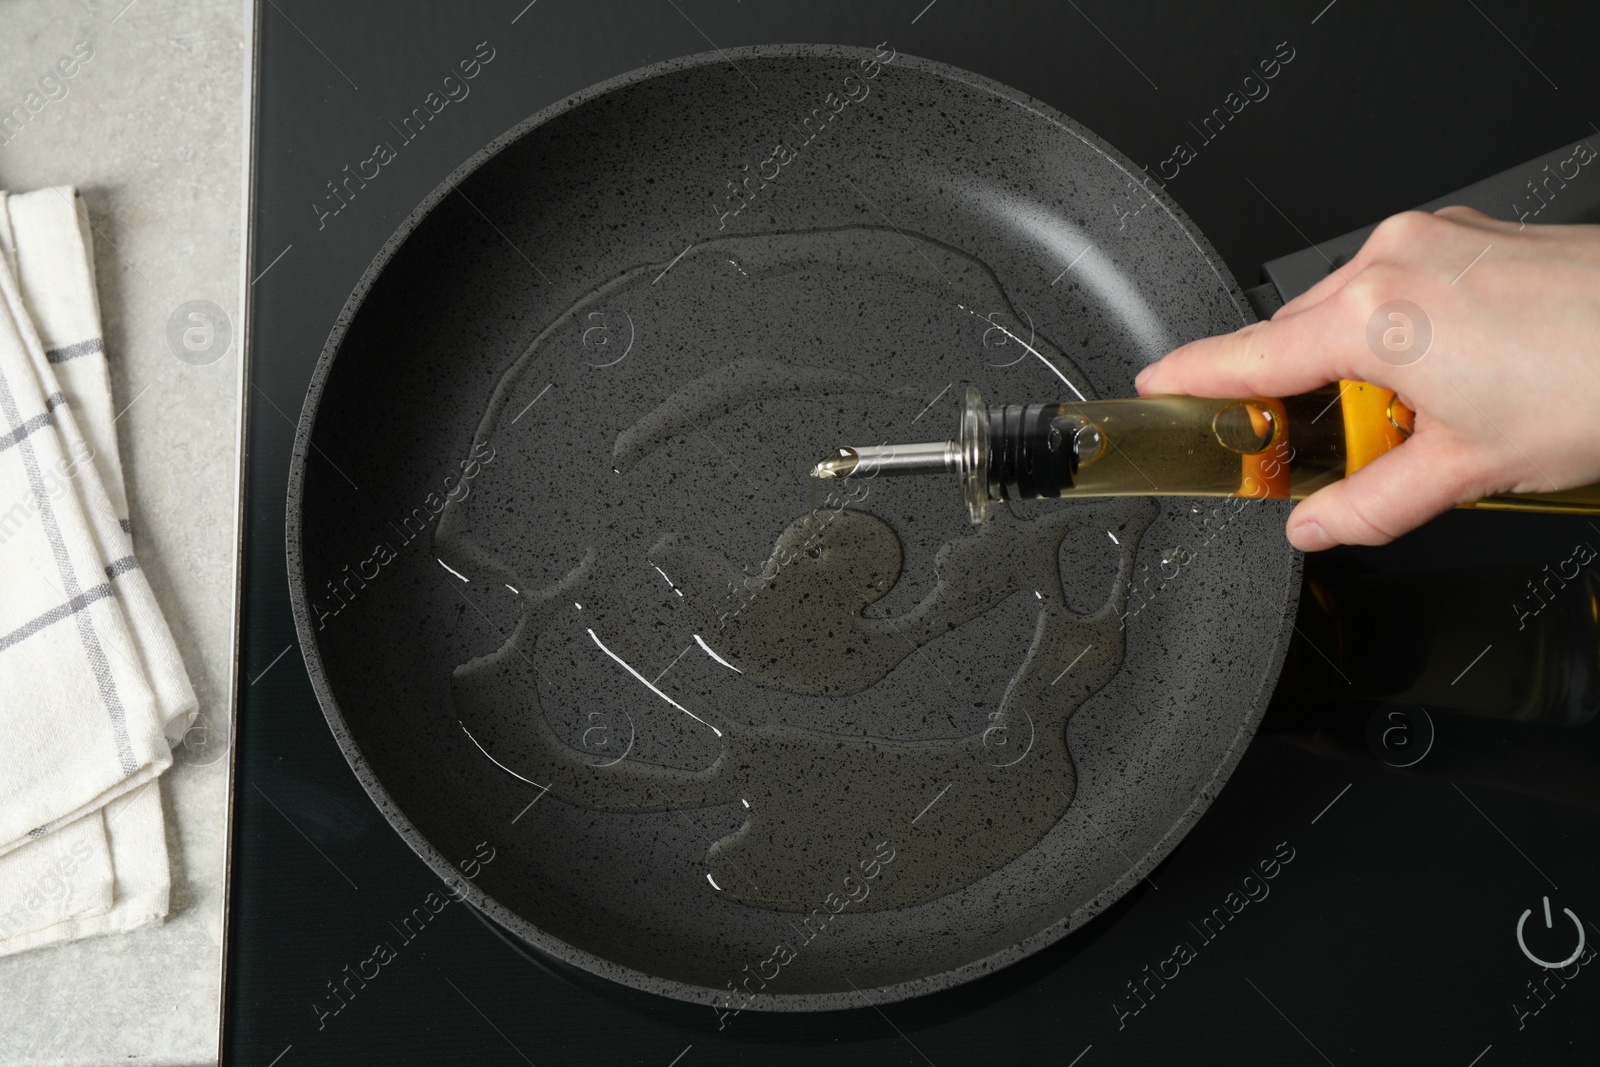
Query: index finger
[(1289, 354)]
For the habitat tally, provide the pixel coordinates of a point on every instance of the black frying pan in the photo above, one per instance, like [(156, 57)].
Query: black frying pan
[(563, 585)]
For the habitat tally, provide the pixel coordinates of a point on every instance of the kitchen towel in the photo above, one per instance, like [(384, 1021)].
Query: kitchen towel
[(92, 691)]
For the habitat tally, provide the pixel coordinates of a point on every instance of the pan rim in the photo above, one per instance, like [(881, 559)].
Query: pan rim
[(571, 954)]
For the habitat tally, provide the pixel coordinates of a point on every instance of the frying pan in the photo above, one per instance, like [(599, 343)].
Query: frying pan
[(569, 601)]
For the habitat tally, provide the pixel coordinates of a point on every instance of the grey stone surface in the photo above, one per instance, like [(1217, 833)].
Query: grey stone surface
[(151, 130)]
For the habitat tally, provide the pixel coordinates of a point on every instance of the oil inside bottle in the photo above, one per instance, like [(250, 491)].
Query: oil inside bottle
[(1262, 448), (1167, 445)]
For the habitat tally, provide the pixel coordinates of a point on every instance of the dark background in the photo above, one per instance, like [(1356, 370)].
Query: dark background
[(1389, 937)]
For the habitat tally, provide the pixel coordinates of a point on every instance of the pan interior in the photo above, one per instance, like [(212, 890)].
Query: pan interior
[(716, 721)]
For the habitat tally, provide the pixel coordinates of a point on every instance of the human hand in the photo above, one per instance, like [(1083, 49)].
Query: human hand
[(1507, 395)]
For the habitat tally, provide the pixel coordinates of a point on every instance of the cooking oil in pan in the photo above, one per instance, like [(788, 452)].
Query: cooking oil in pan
[(817, 802)]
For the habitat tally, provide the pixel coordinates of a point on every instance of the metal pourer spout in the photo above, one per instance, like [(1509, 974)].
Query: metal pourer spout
[(869, 461)]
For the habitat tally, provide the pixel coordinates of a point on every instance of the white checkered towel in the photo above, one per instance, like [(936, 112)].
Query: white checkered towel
[(92, 691)]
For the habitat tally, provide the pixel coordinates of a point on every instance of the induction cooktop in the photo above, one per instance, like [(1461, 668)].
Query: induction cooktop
[(1344, 900)]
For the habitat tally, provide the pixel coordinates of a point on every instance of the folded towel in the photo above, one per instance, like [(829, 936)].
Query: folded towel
[(93, 693)]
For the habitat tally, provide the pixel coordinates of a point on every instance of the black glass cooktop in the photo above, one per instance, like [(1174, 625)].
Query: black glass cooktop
[(1343, 901)]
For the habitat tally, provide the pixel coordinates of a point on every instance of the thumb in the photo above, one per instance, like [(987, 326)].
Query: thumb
[(1394, 494)]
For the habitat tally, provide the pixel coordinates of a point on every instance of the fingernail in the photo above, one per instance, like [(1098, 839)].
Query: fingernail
[(1142, 377), (1309, 536)]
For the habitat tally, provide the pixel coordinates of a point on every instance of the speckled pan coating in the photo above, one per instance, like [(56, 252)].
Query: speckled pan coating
[(633, 172)]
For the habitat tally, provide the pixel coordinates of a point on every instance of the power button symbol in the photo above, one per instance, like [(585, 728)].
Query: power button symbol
[(1548, 924)]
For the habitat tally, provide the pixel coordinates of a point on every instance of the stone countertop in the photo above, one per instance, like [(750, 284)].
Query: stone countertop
[(151, 130)]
